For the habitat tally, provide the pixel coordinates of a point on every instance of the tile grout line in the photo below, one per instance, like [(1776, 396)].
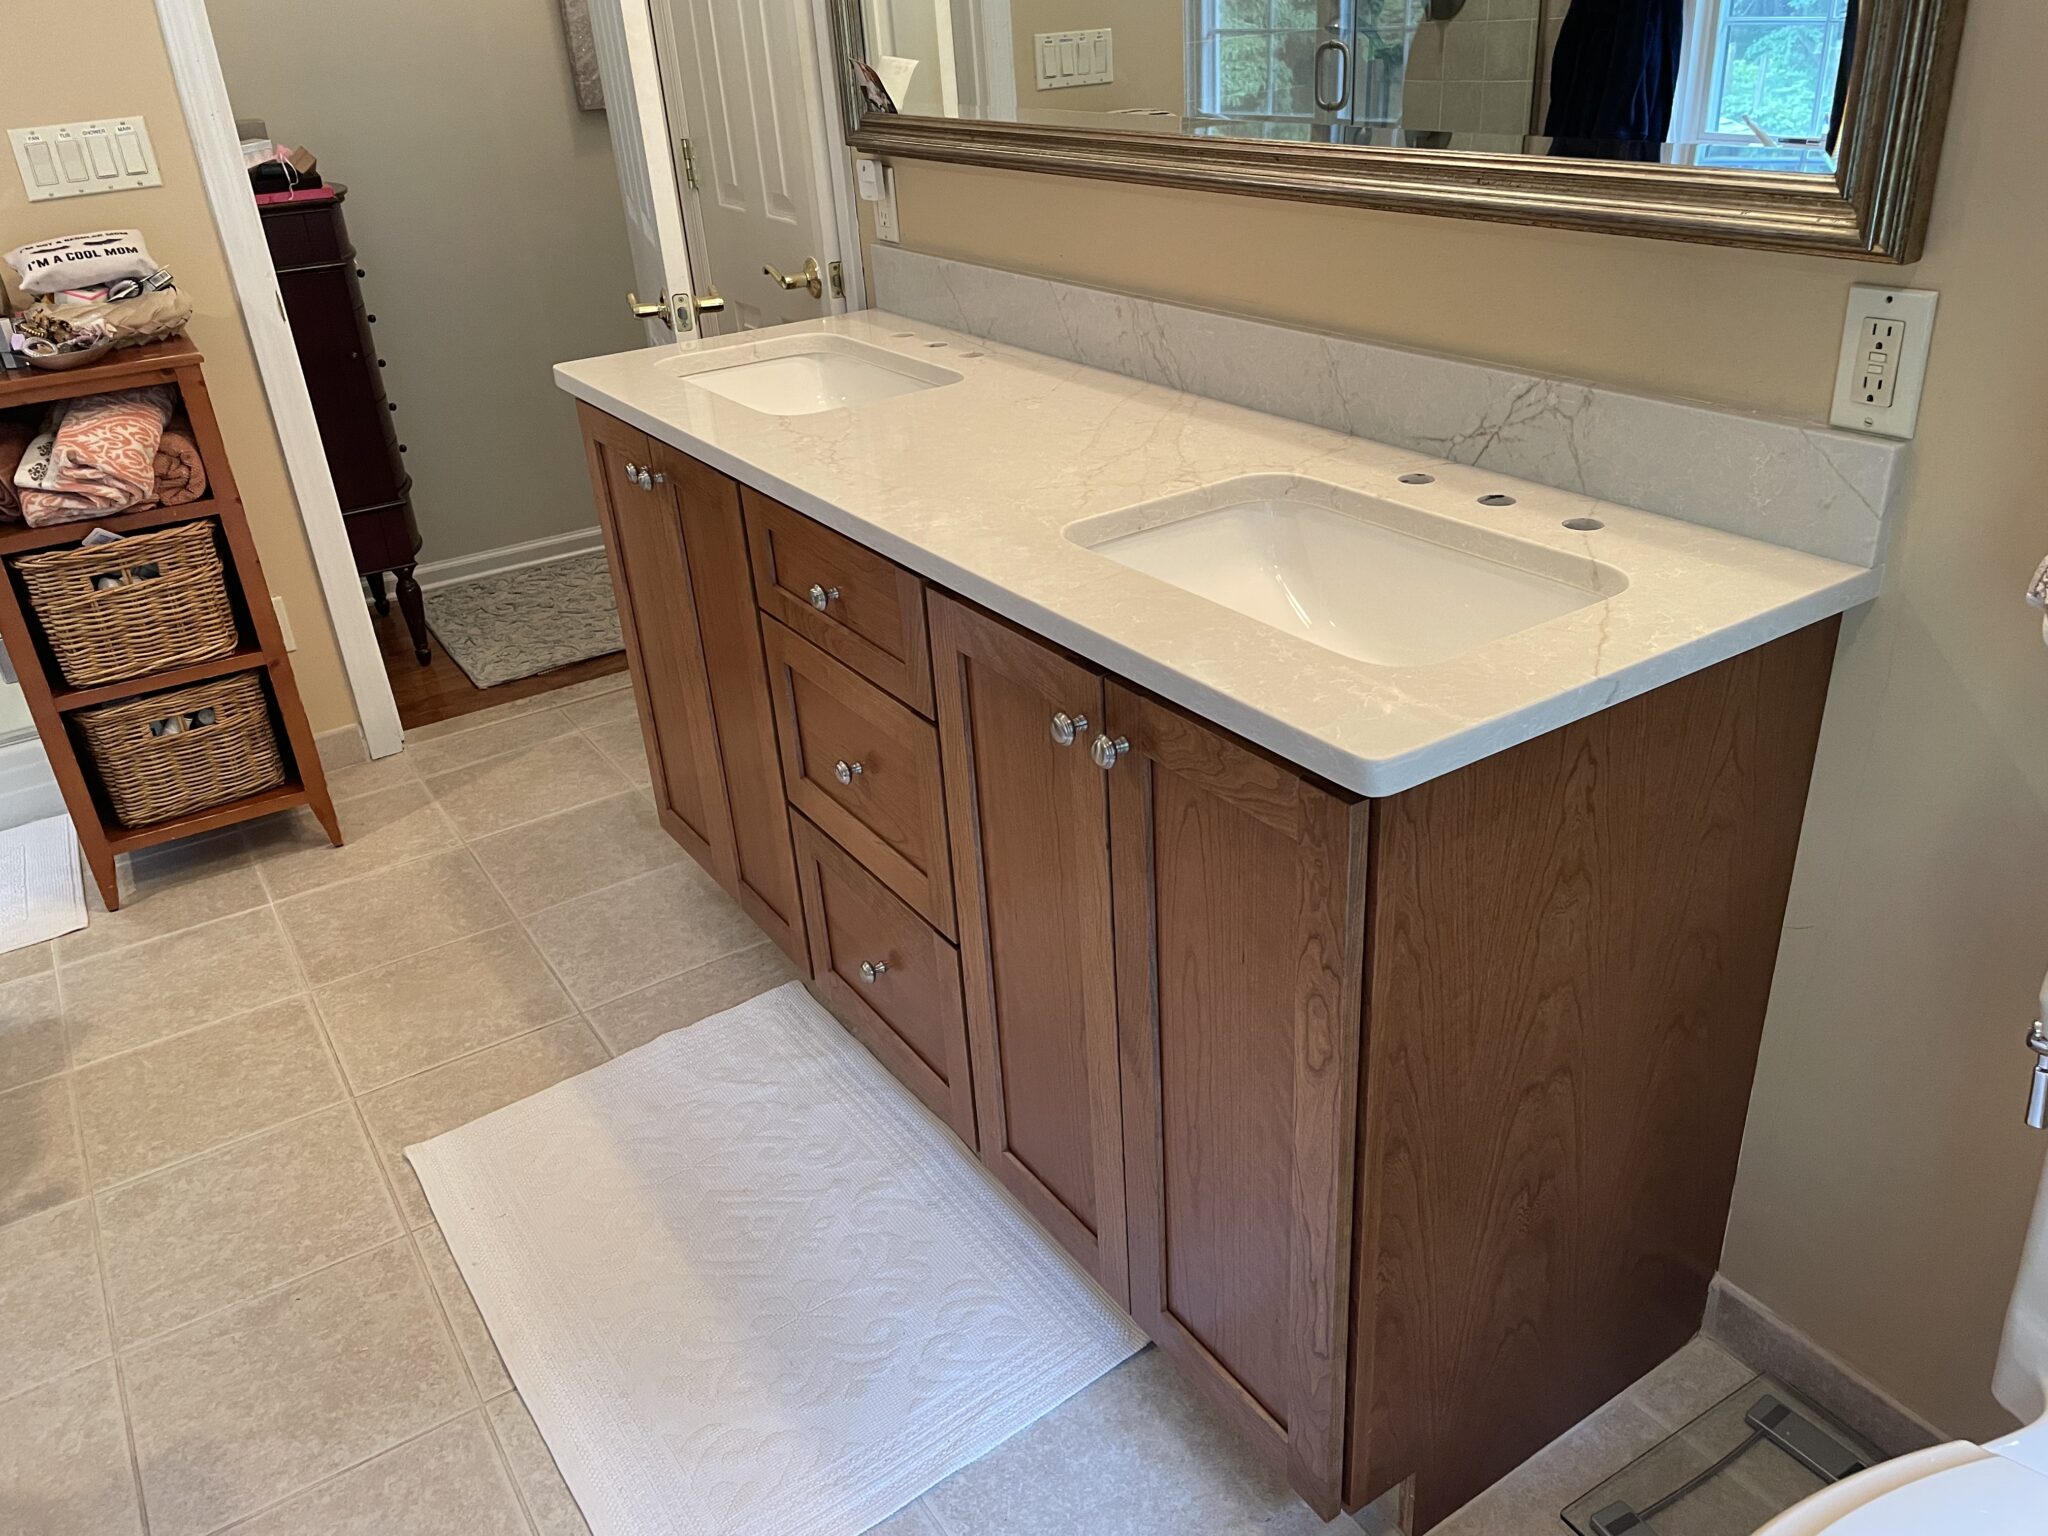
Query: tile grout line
[(340, 1472), (188, 1030), (99, 1255)]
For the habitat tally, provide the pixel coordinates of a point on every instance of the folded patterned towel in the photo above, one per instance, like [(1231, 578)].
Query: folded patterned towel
[(180, 477), (104, 460), (16, 433)]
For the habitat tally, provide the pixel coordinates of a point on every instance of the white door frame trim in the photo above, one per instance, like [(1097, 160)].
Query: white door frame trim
[(195, 66)]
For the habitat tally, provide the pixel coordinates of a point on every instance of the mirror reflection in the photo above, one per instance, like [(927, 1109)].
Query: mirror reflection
[(1750, 84)]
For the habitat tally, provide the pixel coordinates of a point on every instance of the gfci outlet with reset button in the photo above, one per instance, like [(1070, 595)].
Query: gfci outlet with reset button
[(1885, 340)]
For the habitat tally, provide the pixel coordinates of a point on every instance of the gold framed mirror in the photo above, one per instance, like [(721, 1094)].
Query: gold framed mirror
[(1799, 125)]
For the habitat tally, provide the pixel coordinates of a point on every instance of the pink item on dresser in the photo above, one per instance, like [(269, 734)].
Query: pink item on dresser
[(105, 457)]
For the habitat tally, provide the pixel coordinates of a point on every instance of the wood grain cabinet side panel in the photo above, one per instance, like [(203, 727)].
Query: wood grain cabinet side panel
[(1239, 898), (1572, 951), (643, 538), (872, 617), (750, 772), (1029, 822), (906, 1009)]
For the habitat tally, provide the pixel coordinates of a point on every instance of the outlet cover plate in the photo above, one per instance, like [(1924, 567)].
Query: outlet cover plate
[(1868, 367)]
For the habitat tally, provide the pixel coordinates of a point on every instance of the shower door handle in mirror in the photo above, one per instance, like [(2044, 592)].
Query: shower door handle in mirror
[(812, 278), (2037, 1093), (1335, 102)]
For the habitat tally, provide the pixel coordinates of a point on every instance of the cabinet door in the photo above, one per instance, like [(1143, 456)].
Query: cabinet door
[(1029, 824), (722, 588), (643, 538), (1239, 897)]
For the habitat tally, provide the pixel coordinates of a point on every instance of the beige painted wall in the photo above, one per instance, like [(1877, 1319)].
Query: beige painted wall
[(485, 208), (128, 76), (1886, 1176)]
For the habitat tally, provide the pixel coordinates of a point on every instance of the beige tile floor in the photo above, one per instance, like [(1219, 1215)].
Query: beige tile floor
[(224, 1303)]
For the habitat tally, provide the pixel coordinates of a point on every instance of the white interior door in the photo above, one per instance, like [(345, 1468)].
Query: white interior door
[(742, 78), (629, 64)]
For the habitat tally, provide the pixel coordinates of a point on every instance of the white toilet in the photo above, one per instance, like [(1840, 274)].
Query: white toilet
[(1999, 1489)]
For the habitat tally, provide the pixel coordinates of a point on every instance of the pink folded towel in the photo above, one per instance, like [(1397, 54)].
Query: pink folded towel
[(104, 460), (180, 476)]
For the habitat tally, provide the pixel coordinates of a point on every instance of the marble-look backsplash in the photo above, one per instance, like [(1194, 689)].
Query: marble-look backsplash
[(1797, 484)]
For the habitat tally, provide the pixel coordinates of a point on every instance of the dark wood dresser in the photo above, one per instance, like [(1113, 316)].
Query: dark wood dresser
[(323, 298)]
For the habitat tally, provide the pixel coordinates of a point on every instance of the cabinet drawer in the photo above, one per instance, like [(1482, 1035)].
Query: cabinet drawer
[(855, 605), (865, 769), (887, 976)]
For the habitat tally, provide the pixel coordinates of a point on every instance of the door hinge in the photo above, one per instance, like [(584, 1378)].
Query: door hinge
[(689, 156), (838, 281)]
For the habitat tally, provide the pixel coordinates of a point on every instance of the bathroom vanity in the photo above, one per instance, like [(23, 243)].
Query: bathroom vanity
[(1333, 888)]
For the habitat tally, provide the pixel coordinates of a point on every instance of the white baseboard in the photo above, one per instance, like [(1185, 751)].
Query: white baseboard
[(510, 557), (28, 789)]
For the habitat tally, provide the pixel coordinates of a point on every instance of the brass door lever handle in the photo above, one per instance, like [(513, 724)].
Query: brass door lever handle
[(812, 277)]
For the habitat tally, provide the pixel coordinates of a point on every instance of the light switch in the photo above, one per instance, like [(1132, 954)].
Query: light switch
[(75, 159), (1073, 58)]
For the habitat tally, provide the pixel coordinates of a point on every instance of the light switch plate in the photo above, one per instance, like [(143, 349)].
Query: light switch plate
[(1885, 340), (112, 154), (1073, 58)]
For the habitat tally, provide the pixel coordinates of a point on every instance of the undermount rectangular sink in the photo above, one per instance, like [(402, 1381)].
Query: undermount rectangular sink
[(802, 375), (1366, 578)]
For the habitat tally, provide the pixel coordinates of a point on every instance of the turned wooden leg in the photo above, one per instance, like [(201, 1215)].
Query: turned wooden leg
[(414, 607), (379, 598)]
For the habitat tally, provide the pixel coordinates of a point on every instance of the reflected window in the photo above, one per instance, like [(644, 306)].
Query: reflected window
[(1253, 67), (1757, 85)]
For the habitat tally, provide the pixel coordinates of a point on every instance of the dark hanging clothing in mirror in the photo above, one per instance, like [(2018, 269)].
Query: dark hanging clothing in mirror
[(1613, 78)]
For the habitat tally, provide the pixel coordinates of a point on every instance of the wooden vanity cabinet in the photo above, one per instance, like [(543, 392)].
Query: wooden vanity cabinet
[(1406, 1127), (677, 546), (1176, 1103), (1028, 815), (1239, 902)]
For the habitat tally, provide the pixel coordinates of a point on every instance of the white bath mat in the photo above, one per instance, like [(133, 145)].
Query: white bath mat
[(747, 1284), (42, 891)]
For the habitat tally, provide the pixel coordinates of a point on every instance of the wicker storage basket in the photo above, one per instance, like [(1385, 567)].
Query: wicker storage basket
[(168, 754), (165, 606)]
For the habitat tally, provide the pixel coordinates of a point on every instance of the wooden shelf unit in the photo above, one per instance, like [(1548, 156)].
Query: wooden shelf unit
[(179, 364)]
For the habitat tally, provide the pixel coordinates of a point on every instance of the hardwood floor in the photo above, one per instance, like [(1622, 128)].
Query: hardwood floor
[(440, 690)]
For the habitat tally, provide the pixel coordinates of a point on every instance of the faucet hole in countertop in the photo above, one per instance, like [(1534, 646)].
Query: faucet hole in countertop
[(1418, 478), (1584, 524), (1497, 499)]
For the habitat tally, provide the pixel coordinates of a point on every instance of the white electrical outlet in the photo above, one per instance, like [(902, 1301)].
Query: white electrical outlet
[(877, 185), (1885, 341)]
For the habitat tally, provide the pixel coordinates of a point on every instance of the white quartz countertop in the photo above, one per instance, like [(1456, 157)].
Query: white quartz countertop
[(973, 485)]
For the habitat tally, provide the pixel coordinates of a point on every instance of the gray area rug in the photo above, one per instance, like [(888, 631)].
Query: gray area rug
[(498, 628)]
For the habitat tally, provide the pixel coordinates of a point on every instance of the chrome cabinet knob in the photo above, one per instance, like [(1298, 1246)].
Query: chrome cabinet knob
[(659, 479), (632, 471), (873, 970), (823, 597), (846, 772), (1107, 749), (1066, 727), (2037, 1093)]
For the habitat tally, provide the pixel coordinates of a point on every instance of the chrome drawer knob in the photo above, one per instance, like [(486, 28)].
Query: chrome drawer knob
[(846, 772), (823, 597), (1066, 727), (1107, 749), (872, 970), (632, 471)]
